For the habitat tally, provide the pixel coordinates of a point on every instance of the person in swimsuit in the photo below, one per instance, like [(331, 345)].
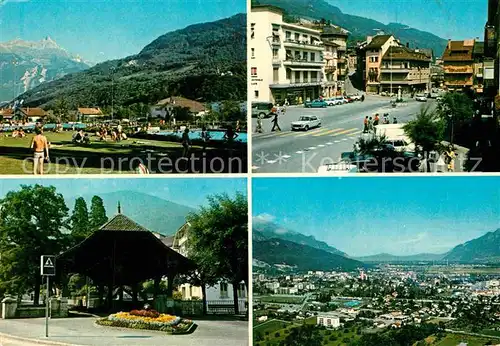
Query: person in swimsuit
[(40, 147)]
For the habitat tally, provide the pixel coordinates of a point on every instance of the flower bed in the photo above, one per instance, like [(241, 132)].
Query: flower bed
[(148, 319)]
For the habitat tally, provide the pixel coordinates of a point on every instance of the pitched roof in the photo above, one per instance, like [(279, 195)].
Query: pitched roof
[(403, 53), (33, 112), (120, 222), (178, 101), (90, 111), (7, 111), (459, 51), (378, 41)]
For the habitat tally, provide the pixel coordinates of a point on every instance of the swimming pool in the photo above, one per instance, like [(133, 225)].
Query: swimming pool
[(352, 303), (31, 127), (214, 135)]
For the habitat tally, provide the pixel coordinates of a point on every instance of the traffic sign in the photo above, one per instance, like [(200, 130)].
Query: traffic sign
[(48, 265)]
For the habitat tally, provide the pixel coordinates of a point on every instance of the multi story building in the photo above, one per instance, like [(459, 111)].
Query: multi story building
[(404, 70), (491, 63), (373, 51), (336, 36), (330, 56), (286, 60), (328, 320), (458, 65), (220, 292), (478, 56)]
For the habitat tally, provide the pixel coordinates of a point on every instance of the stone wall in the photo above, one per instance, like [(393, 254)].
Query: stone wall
[(10, 309)]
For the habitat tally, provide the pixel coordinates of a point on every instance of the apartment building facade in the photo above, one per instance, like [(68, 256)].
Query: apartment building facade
[(338, 37), (404, 70), (458, 65), (286, 60), (373, 51)]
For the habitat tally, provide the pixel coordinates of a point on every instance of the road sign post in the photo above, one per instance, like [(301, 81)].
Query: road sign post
[(47, 269)]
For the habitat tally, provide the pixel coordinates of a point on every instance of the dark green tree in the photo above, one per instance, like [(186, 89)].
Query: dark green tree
[(426, 131), (80, 224), (97, 213), (219, 240), (304, 335), (31, 224)]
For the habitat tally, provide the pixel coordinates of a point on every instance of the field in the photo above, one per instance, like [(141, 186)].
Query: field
[(281, 299), (101, 157), (463, 270), (455, 339), (274, 331)]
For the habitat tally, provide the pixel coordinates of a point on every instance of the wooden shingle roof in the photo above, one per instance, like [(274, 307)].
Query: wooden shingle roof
[(122, 223)]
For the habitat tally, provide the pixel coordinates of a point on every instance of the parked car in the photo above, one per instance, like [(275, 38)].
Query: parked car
[(421, 98), (315, 104), (306, 122), (356, 97), (262, 109)]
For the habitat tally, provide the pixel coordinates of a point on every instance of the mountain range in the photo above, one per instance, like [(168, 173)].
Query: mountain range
[(26, 64), (275, 245), (154, 213), (359, 27), (205, 62), (264, 230), (303, 257), (483, 249)]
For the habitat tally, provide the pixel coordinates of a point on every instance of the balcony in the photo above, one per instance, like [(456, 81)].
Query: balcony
[(276, 41), (276, 62), (341, 60), (458, 70), (330, 69), (296, 83), (329, 55), (303, 62), (304, 44), (394, 70)]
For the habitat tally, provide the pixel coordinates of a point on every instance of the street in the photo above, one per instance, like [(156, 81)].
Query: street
[(341, 126)]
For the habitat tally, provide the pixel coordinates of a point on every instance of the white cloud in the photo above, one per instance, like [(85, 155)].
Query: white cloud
[(417, 239), (280, 231), (264, 217)]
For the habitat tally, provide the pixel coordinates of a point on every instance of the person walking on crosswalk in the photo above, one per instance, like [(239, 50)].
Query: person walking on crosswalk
[(275, 121)]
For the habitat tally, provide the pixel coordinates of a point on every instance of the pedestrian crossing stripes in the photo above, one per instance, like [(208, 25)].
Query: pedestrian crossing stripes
[(321, 132)]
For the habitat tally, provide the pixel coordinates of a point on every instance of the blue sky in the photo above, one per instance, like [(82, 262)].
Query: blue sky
[(190, 192), (367, 216), (454, 19), (100, 30)]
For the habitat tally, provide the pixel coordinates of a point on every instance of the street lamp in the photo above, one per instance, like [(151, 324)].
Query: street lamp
[(452, 128)]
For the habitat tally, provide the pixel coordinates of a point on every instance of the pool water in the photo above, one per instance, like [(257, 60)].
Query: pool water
[(214, 135), (45, 127), (352, 303)]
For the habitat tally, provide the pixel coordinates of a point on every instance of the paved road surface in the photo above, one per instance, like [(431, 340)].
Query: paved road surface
[(82, 331), (305, 152)]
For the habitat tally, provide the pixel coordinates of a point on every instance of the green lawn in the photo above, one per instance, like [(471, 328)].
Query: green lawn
[(100, 157), (456, 339), (273, 332)]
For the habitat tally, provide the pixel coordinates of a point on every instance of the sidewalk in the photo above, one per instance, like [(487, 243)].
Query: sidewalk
[(83, 331)]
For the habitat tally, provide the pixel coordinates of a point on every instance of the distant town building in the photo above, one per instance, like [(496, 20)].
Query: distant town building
[(478, 56), (86, 114), (458, 64), (168, 105), (328, 320), (406, 70)]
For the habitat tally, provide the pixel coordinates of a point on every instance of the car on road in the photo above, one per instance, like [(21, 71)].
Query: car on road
[(262, 109), (306, 122), (356, 97), (316, 104), (339, 168), (421, 98)]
